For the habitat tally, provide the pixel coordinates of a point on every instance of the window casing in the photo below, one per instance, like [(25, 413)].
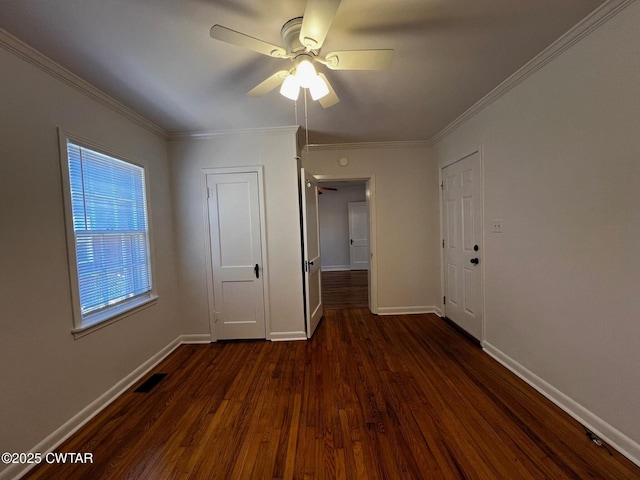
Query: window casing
[(108, 234)]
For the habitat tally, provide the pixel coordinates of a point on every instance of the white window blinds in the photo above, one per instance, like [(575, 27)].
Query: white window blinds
[(108, 202)]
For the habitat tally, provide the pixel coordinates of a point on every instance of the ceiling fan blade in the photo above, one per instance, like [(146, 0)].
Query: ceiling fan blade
[(318, 15), (359, 59), (330, 99), (227, 35), (328, 188), (269, 84)]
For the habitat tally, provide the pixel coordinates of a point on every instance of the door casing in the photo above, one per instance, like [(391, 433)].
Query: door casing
[(370, 185)]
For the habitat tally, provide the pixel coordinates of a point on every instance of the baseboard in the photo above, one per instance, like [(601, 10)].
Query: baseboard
[(618, 440), (286, 336), (195, 338), (406, 310), (50, 443), (335, 268)]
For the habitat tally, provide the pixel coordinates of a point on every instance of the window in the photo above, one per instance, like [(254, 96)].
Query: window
[(108, 235)]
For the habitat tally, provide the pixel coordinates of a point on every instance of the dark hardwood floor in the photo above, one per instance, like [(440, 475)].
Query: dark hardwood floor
[(345, 289), (375, 397)]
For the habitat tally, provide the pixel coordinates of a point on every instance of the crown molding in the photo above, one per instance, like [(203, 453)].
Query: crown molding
[(369, 145), (30, 55), (583, 28), (205, 135)]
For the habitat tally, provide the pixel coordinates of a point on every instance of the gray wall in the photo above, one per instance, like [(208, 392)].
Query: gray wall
[(561, 158), (276, 151), (406, 219), (47, 376), (333, 213)]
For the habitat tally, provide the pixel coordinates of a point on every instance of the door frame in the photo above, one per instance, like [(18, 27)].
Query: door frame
[(207, 242), (444, 164), (370, 188)]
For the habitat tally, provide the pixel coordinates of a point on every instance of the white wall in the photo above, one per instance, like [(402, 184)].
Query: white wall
[(47, 376), (276, 151), (333, 212), (562, 169), (406, 218)]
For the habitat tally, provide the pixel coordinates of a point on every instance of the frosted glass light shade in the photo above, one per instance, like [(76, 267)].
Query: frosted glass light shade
[(290, 88), (318, 88), (305, 73)]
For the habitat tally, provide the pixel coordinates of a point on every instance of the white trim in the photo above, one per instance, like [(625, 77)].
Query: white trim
[(31, 56), (195, 338), (408, 310), (625, 445), (86, 324), (287, 336), (125, 309), (205, 135), (369, 145), (588, 24), (335, 268), (52, 441)]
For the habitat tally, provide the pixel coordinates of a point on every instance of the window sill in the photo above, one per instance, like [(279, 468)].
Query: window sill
[(113, 315)]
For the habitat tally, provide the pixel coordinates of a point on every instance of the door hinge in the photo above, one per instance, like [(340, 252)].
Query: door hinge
[(441, 185), (443, 243), (444, 300)]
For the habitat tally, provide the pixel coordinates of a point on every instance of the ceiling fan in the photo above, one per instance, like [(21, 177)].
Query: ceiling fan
[(302, 38)]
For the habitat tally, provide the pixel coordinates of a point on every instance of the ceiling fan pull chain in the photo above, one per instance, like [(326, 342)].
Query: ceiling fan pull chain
[(306, 123)]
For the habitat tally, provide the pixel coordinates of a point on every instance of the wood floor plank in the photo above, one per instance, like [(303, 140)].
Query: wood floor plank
[(345, 289), (367, 397)]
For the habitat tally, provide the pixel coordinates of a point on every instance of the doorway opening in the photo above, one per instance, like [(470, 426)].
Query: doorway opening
[(344, 220)]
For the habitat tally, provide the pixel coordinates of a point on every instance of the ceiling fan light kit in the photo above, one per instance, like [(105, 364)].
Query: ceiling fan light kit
[(303, 38)]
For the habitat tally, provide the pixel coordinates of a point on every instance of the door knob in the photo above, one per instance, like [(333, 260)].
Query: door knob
[(475, 261), (257, 270)]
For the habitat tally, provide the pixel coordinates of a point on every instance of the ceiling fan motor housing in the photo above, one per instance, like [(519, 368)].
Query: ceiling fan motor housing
[(290, 34)]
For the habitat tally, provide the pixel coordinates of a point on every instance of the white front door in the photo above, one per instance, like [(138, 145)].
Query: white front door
[(236, 255), (462, 200), (358, 235), (311, 239)]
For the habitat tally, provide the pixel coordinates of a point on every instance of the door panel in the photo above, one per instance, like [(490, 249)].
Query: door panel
[(358, 235), (236, 249), (462, 211), (452, 291), (311, 240), (469, 289)]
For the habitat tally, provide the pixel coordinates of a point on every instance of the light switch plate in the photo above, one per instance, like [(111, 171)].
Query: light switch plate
[(496, 226)]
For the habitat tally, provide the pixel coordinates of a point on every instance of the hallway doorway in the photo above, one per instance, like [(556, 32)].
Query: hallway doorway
[(343, 285)]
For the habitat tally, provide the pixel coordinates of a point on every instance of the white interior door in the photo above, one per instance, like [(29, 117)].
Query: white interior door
[(462, 194), (311, 239), (236, 255), (359, 235)]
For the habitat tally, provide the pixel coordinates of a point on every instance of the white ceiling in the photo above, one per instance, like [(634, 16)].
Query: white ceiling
[(156, 57)]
